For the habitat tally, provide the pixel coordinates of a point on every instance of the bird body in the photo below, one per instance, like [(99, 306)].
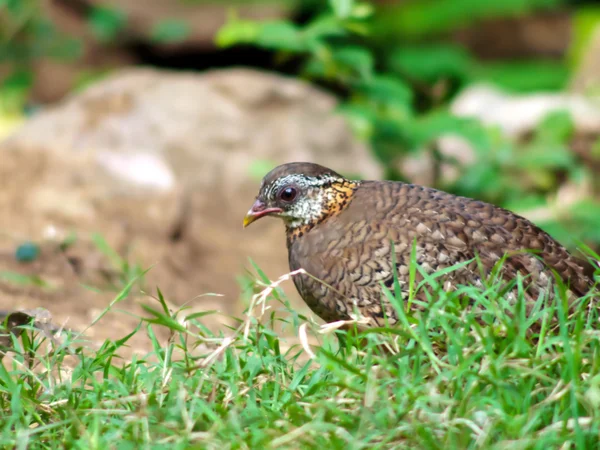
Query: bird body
[(351, 236)]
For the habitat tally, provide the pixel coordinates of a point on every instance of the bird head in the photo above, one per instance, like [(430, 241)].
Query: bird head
[(299, 193)]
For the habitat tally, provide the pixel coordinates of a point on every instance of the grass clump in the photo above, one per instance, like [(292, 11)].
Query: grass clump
[(449, 377)]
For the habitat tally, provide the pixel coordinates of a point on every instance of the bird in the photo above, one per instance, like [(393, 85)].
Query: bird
[(355, 237)]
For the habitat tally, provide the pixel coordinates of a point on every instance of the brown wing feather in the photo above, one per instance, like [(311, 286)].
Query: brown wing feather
[(351, 252)]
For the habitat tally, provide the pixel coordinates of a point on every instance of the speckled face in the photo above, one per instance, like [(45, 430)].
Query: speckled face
[(302, 199), (303, 195)]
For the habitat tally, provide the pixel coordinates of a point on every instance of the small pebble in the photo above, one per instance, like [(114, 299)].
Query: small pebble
[(27, 252)]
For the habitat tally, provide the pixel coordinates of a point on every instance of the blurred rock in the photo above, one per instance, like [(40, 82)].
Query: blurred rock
[(159, 163), (517, 115)]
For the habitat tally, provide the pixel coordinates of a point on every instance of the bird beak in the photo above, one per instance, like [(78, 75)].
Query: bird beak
[(258, 210)]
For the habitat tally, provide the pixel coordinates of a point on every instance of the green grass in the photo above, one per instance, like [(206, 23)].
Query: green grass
[(450, 377)]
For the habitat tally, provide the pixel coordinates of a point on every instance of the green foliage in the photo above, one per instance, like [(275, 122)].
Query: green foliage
[(397, 82), (421, 18), (170, 31), (394, 68), (105, 23), (28, 35), (14, 90), (450, 376), (529, 76), (585, 25), (428, 63)]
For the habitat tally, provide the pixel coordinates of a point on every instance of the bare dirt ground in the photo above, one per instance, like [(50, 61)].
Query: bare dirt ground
[(76, 286)]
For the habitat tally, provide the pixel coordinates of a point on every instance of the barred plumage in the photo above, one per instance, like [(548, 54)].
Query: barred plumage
[(354, 226)]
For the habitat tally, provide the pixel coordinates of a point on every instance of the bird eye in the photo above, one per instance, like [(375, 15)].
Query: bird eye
[(288, 194)]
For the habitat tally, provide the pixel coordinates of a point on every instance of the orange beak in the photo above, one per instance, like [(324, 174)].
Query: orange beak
[(258, 210)]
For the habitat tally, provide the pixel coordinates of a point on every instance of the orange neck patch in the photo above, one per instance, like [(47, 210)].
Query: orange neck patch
[(333, 199)]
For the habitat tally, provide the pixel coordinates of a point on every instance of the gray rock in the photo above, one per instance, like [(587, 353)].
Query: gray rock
[(161, 163)]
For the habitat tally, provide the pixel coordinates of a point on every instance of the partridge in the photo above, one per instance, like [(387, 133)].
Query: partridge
[(351, 236)]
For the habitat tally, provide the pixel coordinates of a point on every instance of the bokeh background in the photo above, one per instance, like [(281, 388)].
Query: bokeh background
[(134, 133)]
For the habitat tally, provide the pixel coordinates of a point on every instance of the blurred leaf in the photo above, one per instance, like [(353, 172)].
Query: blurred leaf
[(320, 68), (431, 126), (389, 141), (557, 230), (529, 76), (342, 8), (429, 63), (359, 117), (14, 90), (357, 28), (24, 280), (586, 214), (362, 10), (557, 127), (65, 48), (170, 31), (526, 202), (275, 35), (280, 35), (582, 222), (549, 147), (345, 65), (355, 61), (595, 150), (68, 241), (19, 81), (544, 156), (419, 18), (322, 28), (481, 181), (13, 6), (237, 31), (106, 22), (585, 22), (389, 91), (103, 246)]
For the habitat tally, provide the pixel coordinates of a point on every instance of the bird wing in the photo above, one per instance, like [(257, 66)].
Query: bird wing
[(446, 231), (353, 253)]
